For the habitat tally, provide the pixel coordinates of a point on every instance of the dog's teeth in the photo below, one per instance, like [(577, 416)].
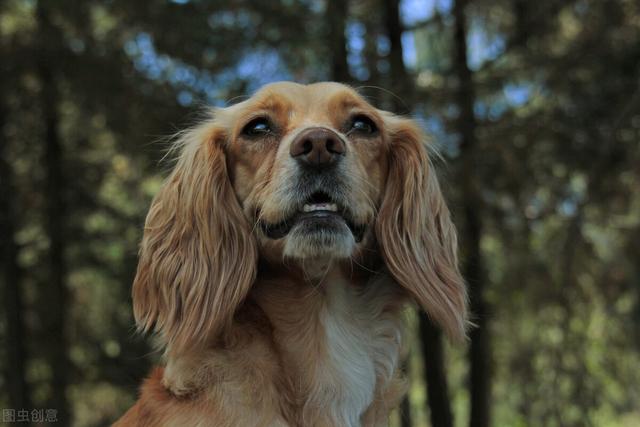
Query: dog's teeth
[(320, 207)]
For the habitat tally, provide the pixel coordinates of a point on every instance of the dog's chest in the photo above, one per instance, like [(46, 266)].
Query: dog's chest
[(360, 352)]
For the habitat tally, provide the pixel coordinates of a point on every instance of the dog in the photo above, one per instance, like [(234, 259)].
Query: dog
[(277, 260)]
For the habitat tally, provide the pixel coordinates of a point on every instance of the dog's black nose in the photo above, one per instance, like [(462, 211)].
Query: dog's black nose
[(317, 147)]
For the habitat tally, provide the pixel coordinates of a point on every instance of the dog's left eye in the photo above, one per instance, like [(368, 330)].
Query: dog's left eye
[(257, 127), (363, 124)]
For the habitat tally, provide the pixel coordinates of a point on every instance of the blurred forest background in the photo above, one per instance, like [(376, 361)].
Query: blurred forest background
[(534, 105)]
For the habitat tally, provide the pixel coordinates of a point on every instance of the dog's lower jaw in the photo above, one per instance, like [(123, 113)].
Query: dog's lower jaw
[(337, 243)]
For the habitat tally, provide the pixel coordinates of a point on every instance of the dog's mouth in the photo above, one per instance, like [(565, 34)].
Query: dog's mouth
[(318, 213)]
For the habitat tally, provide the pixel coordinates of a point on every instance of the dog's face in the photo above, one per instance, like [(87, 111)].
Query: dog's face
[(294, 173), (308, 165)]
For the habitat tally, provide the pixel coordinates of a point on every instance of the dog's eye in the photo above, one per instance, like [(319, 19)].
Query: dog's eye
[(364, 125), (257, 127)]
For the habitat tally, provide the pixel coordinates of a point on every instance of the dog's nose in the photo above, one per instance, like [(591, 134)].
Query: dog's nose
[(317, 147)]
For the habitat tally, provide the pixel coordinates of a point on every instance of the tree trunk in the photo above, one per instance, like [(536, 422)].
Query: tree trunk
[(400, 82), (55, 213), (405, 404), (436, 379), (479, 356), (431, 339), (16, 354), (371, 55), (336, 18)]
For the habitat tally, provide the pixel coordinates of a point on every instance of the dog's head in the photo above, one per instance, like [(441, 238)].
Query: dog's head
[(295, 174)]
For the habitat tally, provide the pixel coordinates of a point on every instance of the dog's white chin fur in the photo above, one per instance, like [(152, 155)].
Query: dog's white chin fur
[(334, 244)]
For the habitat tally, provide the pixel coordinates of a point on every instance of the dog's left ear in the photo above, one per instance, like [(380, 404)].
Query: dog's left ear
[(198, 257), (415, 233)]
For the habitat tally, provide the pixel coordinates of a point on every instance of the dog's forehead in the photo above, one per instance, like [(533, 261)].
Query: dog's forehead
[(294, 99)]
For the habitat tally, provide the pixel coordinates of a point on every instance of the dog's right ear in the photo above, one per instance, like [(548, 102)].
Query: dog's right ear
[(198, 257)]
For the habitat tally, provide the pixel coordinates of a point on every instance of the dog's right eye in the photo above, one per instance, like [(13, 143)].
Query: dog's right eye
[(257, 127)]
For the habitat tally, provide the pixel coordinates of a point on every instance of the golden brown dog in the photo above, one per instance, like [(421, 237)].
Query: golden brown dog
[(277, 259)]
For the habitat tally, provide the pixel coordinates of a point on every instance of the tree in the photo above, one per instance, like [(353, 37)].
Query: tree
[(430, 336), (435, 373), (479, 357), (336, 16), (11, 278), (56, 214)]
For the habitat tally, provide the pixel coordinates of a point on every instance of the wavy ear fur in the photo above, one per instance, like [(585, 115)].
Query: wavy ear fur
[(414, 229), (198, 257)]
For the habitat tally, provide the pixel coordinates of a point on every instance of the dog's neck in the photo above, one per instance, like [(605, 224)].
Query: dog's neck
[(336, 338)]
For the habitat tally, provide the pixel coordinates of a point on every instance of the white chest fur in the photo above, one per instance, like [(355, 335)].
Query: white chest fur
[(362, 342)]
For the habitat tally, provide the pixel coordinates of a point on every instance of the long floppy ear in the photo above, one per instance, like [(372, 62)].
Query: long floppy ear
[(197, 258), (416, 236)]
